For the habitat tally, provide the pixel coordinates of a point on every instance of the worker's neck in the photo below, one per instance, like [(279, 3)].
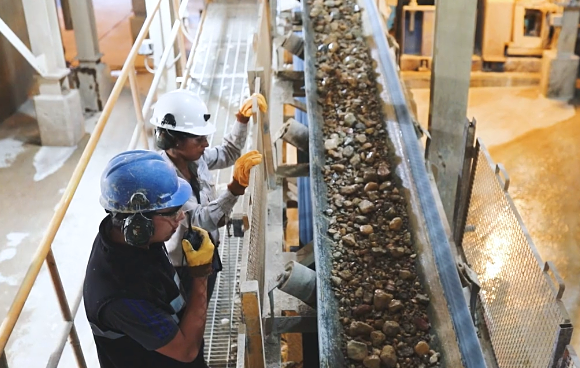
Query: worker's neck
[(178, 160)]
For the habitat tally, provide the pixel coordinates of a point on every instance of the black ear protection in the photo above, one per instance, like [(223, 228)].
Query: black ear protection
[(137, 228), (164, 140)]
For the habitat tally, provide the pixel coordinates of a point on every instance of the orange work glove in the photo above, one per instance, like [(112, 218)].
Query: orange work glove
[(246, 109), (243, 166)]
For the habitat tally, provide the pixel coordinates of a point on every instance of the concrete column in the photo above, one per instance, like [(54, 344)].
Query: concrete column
[(91, 76), (450, 74), (560, 66), (58, 108), (159, 33)]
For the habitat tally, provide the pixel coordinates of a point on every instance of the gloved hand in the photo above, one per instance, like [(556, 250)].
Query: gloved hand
[(243, 166), (198, 249), (246, 109)]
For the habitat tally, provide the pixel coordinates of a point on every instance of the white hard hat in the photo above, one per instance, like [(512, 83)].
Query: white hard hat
[(182, 111)]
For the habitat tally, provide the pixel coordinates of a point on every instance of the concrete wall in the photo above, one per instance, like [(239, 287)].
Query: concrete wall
[(16, 75)]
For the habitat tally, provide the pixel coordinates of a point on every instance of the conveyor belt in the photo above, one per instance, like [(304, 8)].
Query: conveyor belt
[(328, 325)]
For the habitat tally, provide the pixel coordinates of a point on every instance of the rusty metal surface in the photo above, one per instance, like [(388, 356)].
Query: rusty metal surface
[(522, 310)]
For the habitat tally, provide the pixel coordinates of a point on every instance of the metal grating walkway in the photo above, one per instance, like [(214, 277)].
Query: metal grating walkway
[(219, 77)]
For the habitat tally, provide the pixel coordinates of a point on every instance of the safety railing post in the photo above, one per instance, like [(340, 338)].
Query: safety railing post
[(180, 37), (3, 360), (141, 128), (65, 308)]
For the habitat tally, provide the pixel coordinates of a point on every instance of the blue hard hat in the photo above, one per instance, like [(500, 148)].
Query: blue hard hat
[(141, 181)]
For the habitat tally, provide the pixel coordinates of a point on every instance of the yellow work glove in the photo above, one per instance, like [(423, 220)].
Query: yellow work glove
[(198, 249), (246, 109), (243, 166)]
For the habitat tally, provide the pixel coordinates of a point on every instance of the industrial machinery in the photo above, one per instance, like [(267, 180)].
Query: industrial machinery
[(506, 29)]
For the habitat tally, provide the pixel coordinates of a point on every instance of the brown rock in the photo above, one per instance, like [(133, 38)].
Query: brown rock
[(377, 338), (368, 297), (397, 252), (391, 328), (395, 306), (381, 300), (406, 275), (372, 361), (423, 299), (366, 229), (422, 348), (370, 175), (345, 274), (389, 356), (356, 350), (358, 328), (349, 189), (421, 324), (366, 207), (338, 168), (370, 187), (349, 240), (363, 309), (396, 224), (383, 172)]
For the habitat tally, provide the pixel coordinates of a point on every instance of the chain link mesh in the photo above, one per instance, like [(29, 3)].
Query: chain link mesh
[(520, 306)]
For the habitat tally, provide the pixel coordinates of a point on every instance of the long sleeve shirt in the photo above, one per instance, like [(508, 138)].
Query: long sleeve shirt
[(212, 208)]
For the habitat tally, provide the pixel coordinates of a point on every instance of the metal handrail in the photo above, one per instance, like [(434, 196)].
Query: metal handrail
[(44, 249)]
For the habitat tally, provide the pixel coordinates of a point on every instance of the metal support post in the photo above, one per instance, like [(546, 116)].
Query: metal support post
[(453, 49), (160, 34), (560, 66), (91, 76), (464, 183), (58, 108)]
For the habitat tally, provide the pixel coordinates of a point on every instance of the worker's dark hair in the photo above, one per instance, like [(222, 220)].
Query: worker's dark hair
[(166, 139)]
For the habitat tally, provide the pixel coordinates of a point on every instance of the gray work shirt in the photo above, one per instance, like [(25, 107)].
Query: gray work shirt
[(213, 207)]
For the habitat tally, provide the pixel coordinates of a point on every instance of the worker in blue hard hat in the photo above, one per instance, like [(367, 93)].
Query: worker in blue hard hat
[(138, 312), (183, 124)]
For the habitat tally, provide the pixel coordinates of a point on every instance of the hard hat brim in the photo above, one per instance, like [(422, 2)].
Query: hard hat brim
[(182, 195), (205, 130)]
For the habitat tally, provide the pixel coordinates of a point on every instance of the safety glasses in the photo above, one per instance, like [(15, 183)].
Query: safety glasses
[(171, 215)]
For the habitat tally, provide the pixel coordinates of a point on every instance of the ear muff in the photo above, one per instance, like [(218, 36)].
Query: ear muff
[(138, 229), (164, 140)]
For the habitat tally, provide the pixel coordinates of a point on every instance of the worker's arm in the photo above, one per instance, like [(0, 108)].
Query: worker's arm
[(155, 329), (209, 216), (187, 341), (225, 155)]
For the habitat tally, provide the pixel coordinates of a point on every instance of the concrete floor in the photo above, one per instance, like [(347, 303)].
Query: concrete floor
[(537, 141)]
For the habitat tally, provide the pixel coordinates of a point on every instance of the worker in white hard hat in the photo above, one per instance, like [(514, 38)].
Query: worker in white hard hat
[(183, 123)]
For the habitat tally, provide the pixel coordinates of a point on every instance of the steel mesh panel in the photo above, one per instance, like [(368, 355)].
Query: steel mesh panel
[(255, 270), (520, 308)]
